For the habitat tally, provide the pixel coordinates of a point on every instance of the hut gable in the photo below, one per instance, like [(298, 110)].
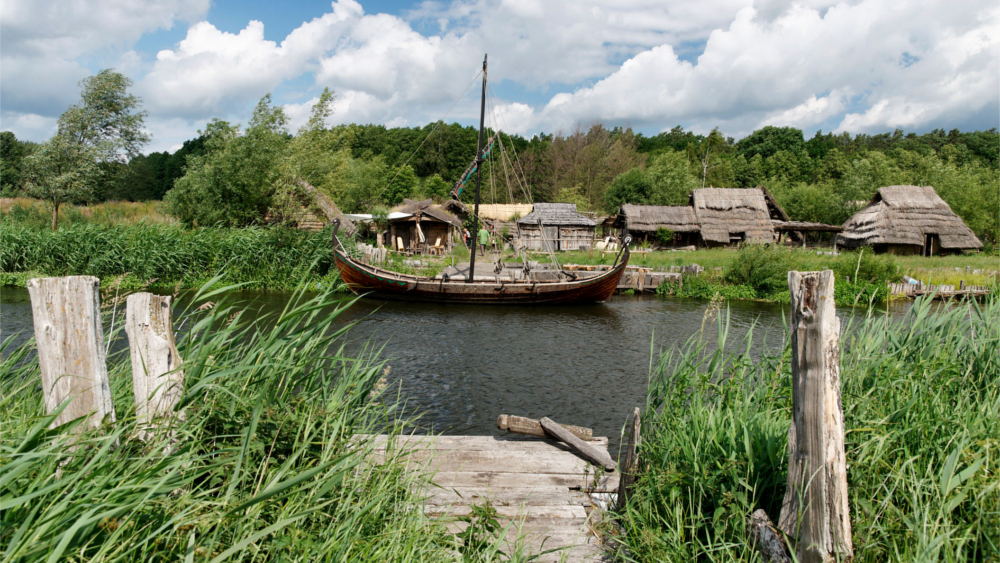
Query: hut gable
[(724, 213), (426, 208), (651, 218), (906, 215), (553, 214), (311, 210)]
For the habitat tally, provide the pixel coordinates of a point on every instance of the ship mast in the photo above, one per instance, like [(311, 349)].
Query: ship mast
[(479, 168)]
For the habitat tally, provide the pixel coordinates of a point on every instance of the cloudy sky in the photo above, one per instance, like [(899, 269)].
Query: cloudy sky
[(860, 66)]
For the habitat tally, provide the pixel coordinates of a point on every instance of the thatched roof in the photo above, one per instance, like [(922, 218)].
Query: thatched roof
[(424, 209), (801, 226), (553, 214), (650, 218), (725, 211), (313, 211), (903, 215)]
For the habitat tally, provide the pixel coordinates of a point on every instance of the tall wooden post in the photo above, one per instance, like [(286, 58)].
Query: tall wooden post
[(815, 512), (67, 318), (157, 380)]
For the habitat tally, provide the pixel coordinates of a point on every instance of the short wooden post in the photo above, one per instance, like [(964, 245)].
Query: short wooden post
[(630, 466), (67, 318), (156, 377), (815, 512)]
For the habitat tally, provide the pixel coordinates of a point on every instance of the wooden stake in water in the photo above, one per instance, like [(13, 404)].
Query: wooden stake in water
[(815, 512), (67, 319), (156, 377)]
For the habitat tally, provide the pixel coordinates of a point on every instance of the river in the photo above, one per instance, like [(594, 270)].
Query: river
[(460, 366)]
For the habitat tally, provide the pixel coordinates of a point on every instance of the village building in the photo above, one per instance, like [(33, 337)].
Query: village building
[(310, 209), (556, 226), (643, 222), (908, 220), (421, 226)]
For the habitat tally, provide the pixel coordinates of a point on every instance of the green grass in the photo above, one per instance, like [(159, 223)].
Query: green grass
[(264, 466), (921, 400)]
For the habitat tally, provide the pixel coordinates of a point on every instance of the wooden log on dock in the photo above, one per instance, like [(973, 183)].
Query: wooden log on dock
[(588, 452), (815, 511), (71, 355), (157, 381), (532, 427)]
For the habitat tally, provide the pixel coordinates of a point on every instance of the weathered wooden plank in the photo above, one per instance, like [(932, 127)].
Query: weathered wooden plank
[(585, 450), (815, 510), (70, 341), (567, 511), (490, 443), (157, 381), (630, 466), (514, 496), (522, 425), (508, 461), (496, 479)]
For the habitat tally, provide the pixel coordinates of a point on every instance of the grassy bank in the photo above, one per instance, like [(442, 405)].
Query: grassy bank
[(168, 256), (921, 400), (263, 467)]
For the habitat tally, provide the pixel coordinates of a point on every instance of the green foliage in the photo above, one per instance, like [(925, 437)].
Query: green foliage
[(761, 267), (12, 154), (866, 266), (436, 187), (58, 171), (399, 184), (920, 401), (108, 119), (633, 186), (664, 236), (768, 140)]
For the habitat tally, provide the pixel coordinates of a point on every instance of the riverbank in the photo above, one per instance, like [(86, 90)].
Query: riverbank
[(922, 417)]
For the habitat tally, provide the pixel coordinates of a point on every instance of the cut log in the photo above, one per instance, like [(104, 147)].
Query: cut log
[(530, 426), (586, 451), (630, 466), (71, 356), (157, 380), (815, 512), (765, 538)]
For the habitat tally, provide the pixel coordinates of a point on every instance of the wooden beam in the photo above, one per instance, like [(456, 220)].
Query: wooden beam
[(157, 381), (532, 427), (71, 355), (586, 451), (815, 512), (630, 467)]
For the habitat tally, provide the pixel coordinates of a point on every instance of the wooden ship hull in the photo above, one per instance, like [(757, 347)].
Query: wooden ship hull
[(368, 281)]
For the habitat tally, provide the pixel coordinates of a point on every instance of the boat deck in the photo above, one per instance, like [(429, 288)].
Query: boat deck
[(549, 494)]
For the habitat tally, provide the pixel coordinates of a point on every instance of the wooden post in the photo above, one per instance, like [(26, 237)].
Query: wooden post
[(531, 427), (70, 341), (156, 377), (630, 467), (586, 451), (815, 512)]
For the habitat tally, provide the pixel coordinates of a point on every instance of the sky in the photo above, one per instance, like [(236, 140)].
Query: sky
[(861, 66)]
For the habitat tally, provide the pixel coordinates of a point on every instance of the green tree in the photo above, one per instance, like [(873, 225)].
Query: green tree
[(769, 140), (707, 155), (633, 186), (58, 171), (400, 182), (670, 179), (12, 153)]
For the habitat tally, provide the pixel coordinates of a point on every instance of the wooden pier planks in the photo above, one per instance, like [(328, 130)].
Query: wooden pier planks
[(539, 485)]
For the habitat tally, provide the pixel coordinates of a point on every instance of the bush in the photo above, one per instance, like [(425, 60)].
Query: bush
[(866, 266), (762, 267)]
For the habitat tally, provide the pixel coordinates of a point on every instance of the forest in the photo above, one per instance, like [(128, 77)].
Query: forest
[(239, 175)]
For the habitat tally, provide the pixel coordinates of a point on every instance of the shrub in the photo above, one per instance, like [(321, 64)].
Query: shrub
[(866, 266), (762, 267)]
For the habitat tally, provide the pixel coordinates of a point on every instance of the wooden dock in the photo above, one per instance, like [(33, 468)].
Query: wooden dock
[(543, 488), (938, 291)]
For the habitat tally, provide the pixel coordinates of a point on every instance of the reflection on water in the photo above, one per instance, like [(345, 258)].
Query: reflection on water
[(462, 365)]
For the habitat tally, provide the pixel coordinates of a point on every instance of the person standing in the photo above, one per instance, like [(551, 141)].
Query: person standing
[(467, 238), (484, 239)]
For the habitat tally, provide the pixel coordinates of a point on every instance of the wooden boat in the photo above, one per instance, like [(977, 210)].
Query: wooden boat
[(370, 281)]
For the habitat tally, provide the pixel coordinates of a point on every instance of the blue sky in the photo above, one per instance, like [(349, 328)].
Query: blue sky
[(863, 66)]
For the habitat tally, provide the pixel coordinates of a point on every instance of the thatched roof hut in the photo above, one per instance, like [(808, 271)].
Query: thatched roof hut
[(908, 220), (312, 210), (421, 225), (730, 215), (651, 218), (558, 226)]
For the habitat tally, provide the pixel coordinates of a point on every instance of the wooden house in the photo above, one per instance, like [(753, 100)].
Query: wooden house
[(730, 215), (556, 226), (420, 226), (908, 220), (644, 221), (311, 210)]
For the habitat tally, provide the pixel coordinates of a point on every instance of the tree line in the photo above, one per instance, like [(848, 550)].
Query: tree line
[(240, 175)]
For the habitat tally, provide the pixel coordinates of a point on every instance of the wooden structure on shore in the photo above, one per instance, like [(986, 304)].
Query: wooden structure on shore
[(908, 220), (555, 227), (913, 290), (549, 493), (424, 227)]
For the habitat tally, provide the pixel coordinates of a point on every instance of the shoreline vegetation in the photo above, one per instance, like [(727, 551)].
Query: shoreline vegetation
[(137, 246), (921, 403)]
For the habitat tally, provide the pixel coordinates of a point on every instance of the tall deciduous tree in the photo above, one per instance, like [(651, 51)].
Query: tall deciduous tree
[(58, 171), (108, 119)]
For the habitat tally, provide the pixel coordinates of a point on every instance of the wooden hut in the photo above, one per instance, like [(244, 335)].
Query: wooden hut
[(311, 210), (422, 217), (644, 221), (731, 215), (556, 226), (908, 220)]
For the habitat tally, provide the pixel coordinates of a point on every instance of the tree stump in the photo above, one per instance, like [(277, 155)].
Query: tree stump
[(157, 380), (815, 512), (71, 356)]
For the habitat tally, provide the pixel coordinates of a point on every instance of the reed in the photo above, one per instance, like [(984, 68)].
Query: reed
[(265, 465), (921, 399)]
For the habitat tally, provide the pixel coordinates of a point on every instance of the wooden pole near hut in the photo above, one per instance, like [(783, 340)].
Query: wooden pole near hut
[(815, 511), (71, 356)]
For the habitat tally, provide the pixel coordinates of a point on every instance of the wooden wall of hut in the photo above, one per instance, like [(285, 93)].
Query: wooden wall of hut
[(561, 238)]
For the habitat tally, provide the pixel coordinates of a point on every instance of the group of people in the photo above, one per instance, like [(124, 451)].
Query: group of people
[(484, 239)]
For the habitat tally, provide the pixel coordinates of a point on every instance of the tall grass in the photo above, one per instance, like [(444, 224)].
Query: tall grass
[(921, 399), (165, 255), (35, 213), (265, 465)]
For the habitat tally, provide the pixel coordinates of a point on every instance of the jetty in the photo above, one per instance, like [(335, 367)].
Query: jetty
[(546, 495)]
